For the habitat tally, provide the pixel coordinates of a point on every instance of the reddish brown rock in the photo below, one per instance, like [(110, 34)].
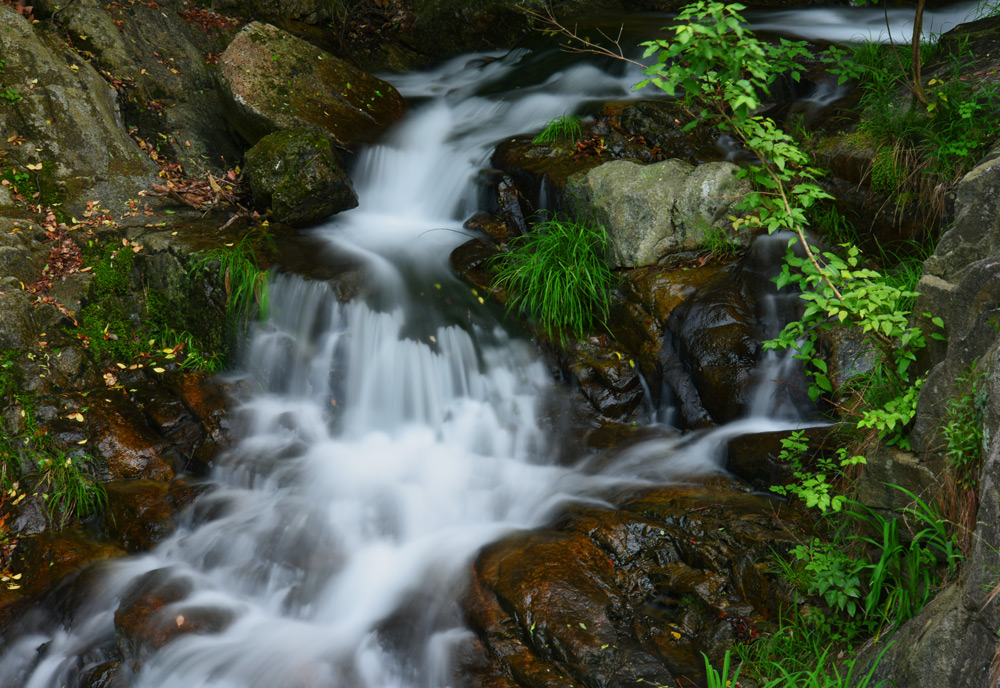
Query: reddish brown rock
[(140, 513), (146, 619), (628, 596), (46, 558)]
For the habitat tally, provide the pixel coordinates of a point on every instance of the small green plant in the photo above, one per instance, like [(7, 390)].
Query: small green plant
[(963, 430), (10, 96), (721, 679), (814, 486), (905, 574), (719, 243), (68, 488), (558, 274), (245, 282), (31, 464), (562, 128), (830, 572)]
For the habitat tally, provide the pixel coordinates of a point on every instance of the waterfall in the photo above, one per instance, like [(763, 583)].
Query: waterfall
[(387, 441)]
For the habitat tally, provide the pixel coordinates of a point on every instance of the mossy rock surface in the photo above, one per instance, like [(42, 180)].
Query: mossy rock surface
[(296, 173), (61, 115), (272, 80)]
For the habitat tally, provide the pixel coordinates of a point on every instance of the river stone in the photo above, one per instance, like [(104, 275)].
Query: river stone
[(125, 443), (88, 155), (149, 615), (660, 124), (631, 594), (46, 558), (970, 309), (306, 11), (17, 322), (297, 174), (272, 80), (650, 211), (23, 254)]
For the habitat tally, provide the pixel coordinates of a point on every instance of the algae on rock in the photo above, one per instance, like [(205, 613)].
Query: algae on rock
[(297, 173), (272, 80)]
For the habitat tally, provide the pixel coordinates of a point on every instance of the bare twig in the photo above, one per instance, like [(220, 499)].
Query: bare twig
[(588, 46)]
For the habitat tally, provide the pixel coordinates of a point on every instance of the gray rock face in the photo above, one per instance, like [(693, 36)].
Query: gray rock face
[(953, 641), (650, 211), (68, 121), (272, 80), (297, 173), (975, 233)]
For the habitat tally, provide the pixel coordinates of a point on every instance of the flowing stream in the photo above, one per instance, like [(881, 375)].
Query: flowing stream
[(390, 439)]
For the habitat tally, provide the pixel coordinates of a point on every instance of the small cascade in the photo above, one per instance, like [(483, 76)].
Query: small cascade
[(386, 441)]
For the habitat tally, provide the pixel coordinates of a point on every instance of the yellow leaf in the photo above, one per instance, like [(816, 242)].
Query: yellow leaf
[(159, 370), (82, 442), (675, 634), (35, 167), (78, 417)]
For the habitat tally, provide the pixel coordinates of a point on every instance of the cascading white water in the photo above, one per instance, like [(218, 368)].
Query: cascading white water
[(387, 444)]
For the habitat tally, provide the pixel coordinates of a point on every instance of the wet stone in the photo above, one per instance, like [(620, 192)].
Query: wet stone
[(46, 558), (631, 595), (141, 513), (149, 616)]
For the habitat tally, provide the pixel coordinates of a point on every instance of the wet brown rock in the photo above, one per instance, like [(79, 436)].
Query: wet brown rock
[(107, 675), (608, 379), (715, 338), (140, 513), (661, 123), (754, 457), (627, 596), (471, 262), (46, 558), (540, 171), (126, 443), (147, 619)]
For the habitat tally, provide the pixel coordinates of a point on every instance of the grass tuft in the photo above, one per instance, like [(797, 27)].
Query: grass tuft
[(562, 128), (559, 275)]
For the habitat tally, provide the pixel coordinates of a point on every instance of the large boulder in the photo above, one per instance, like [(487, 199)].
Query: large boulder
[(158, 61), (60, 117), (650, 211), (630, 595), (272, 80), (297, 174)]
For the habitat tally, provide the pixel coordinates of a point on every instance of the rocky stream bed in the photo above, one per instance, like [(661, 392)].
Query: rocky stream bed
[(139, 136)]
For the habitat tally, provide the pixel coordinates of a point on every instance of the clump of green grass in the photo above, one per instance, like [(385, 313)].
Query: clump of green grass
[(558, 274), (719, 242), (68, 489), (562, 128), (245, 281)]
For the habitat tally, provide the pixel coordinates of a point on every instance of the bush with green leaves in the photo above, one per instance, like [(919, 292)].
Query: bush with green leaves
[(558, 273), (814, 486)]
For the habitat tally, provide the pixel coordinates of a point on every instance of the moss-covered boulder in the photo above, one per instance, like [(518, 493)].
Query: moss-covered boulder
[(650, 211), (297, 174), (157, 62), (62, 132), (272, 80)]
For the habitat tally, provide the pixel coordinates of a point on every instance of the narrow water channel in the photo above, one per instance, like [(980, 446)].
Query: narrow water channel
[(389, 439)]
